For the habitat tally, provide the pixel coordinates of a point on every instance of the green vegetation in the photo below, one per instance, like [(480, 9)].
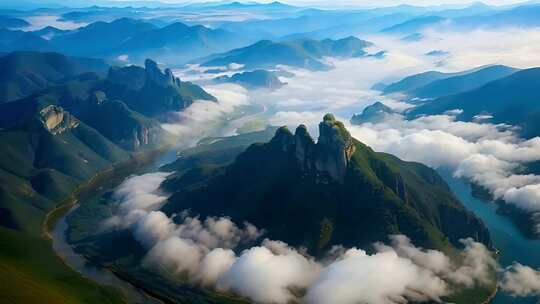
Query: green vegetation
[(254, 79), (304, 53), (30, 272), (295, 186), (59, 146), (493, 98), (306, 208), (24, 73), (327, 228)]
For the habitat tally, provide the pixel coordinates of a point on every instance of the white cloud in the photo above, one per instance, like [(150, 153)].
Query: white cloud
[(521, 281), (490, 155), (203, 251), (380, 278), (40, 21), (205, 118), (477, 268), (175, 255), (268, 277)]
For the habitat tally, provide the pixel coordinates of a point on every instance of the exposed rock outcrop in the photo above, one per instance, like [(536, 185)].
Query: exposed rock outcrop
[(56, 120), (115, 120), (334, 148), (330, 156), (151, 91), (154, 74)]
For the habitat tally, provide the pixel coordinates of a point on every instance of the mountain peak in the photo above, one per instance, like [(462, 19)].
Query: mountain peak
[(329, 118), (155, 74), (333, 131), (330, 155), (283, 138), (336, 147)]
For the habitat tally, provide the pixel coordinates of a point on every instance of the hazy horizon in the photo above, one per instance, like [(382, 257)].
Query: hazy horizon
[(306, 3)]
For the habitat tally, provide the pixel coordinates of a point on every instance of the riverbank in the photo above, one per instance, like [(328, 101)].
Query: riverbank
[(56, 235), (119, 170), (512, 244), (31, 270)]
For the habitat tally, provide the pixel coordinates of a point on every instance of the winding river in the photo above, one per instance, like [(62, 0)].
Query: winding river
[(103, 276), (513, 245), (507, 238)]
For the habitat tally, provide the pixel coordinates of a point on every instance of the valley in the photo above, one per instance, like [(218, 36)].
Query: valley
[(270, 153)]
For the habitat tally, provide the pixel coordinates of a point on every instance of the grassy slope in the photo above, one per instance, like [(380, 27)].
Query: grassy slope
[(30, 272)]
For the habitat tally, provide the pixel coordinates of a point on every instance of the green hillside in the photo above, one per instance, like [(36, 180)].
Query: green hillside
[(513, 100), (305, 53), (293, 187), (24, 73)]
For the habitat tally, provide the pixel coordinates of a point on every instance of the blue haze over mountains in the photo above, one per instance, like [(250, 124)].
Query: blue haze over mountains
[(300, 132), (175, 33)]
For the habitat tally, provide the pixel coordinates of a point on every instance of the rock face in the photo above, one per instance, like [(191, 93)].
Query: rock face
[(329, 157), (154, 74), (115, 120), (335, 148), (56, 120), (150, 91)]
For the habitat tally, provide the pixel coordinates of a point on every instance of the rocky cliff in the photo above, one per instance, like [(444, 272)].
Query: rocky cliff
[(56, 120), (294, 187), (123, 126), (150, 90), (329, 157)]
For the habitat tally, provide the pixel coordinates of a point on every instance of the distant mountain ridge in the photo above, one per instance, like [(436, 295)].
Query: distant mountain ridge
[(433, 84), (24, 73), (254, 79), (304, 53), (463, 83), (126, 39), (150, 91), (374, 113), (512, 99), (414, 25)]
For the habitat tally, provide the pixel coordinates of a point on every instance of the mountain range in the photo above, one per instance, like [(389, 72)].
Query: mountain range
[(24, 73), (303, 53), (55, 138), (512, 99), (253, 80), (126, 39), (435, 84), (11, 22)]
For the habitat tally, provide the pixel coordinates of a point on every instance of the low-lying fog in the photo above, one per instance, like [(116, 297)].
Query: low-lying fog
[(488, 154)]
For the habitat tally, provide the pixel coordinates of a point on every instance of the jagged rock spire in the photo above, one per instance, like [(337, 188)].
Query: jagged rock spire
[(335, 148), (153, 72), (330, 155)]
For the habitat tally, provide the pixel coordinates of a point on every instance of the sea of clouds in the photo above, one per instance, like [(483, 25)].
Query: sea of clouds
[(205, 252), (491, 155)]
